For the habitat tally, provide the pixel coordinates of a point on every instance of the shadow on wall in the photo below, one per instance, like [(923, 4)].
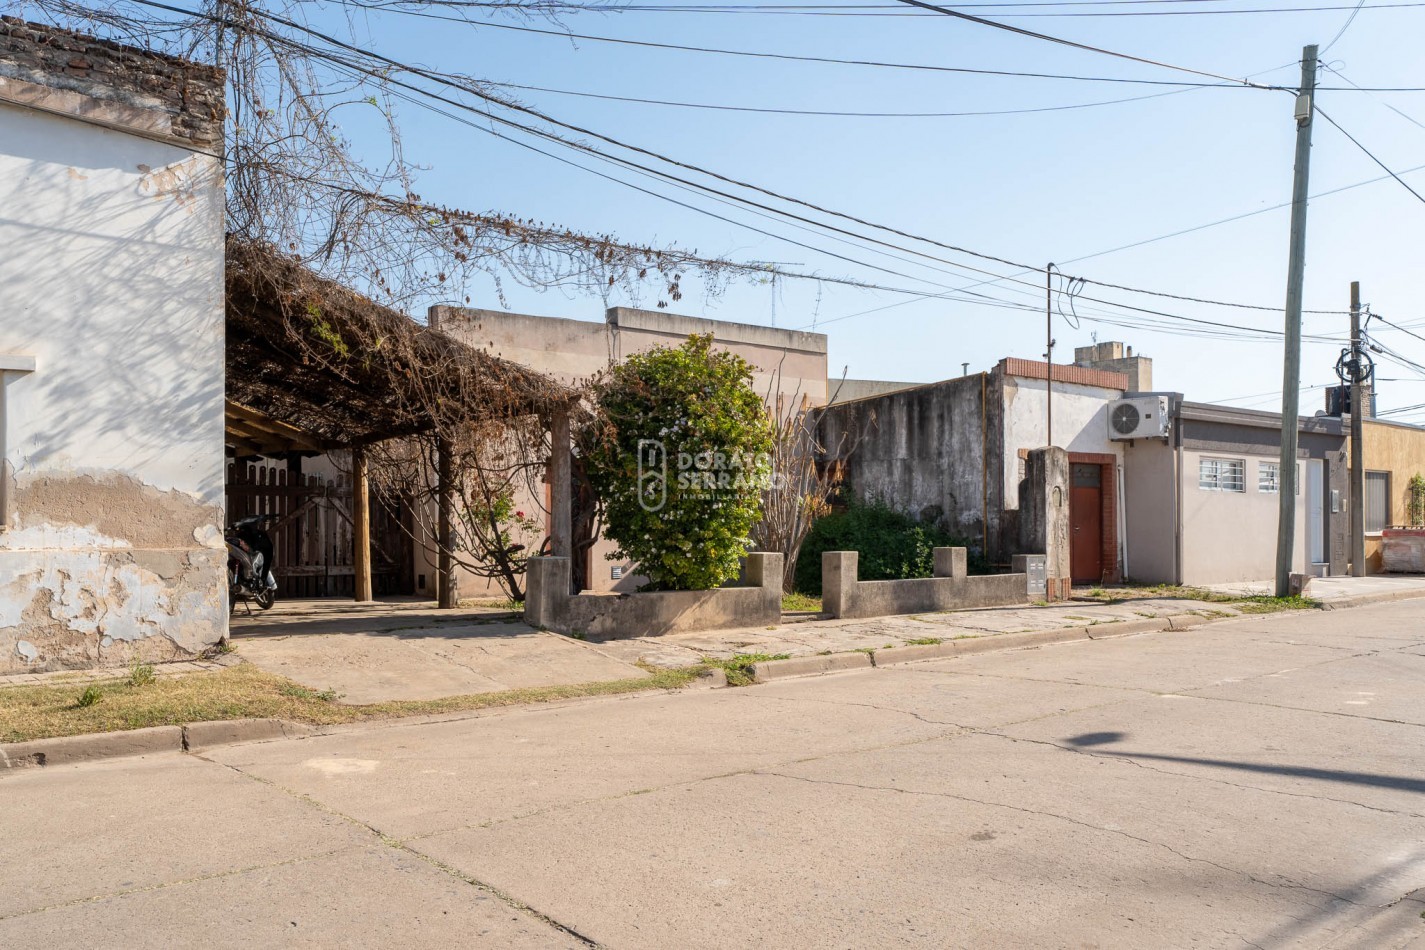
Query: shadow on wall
[(131, 375)]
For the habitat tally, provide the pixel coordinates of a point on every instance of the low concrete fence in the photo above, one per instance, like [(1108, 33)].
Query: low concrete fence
[(842, 595), (755, 602)]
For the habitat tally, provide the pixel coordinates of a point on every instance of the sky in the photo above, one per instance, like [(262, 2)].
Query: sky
[(1058, 186)]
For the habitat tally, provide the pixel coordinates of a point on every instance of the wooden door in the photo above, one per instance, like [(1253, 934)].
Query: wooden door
[(1086, 523)]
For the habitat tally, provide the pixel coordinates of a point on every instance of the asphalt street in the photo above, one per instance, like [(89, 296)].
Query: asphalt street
[(1254, 783)]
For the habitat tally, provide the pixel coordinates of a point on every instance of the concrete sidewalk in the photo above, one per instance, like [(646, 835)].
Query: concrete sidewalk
[(812, 637), (371, 653)]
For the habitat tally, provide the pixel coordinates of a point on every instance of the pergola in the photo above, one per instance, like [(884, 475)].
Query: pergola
[(313, 366)]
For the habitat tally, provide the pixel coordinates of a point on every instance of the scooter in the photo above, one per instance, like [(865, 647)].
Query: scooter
[(250, 563)]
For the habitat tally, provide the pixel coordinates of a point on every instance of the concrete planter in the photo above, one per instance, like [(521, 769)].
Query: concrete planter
[(755, 602), (842, 595)]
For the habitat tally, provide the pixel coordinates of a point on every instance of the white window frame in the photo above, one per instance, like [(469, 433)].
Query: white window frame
[(1269, 478), (1235, 466)]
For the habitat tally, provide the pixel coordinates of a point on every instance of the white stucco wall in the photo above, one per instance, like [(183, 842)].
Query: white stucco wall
[(1231, 537), (113, 281), (1080, 423)]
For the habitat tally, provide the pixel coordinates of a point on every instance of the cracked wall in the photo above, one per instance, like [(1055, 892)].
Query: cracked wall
[(101, 571), (111, 448)]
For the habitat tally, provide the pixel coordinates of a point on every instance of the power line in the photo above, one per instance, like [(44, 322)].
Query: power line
[(562, 34), (1371, 155), (1073, 44), (818, 112), (385, 77)]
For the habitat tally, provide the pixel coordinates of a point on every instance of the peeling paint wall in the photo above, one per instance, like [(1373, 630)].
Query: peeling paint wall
[(111, 541)]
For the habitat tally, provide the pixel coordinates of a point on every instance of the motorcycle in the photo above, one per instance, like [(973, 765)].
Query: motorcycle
[(250, 563)]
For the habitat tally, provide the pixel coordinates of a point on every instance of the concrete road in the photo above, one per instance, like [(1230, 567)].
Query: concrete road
[(1254, 783)]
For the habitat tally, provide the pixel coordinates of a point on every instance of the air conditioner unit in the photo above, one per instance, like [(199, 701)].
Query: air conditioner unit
[(1139, 417)]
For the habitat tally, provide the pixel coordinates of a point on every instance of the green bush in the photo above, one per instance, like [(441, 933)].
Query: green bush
[(689, 528), (893, 546)]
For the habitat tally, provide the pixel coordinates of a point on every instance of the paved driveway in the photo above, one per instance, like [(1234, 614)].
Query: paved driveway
[(1259, 782)]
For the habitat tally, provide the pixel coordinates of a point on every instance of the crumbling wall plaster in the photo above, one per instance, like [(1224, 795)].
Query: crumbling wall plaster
[(97, 570)]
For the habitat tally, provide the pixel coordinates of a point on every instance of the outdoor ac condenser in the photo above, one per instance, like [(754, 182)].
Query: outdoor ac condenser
[(1139, 417)]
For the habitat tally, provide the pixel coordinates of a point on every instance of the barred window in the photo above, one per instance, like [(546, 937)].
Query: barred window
[(1377, 502), (1222, 474), (1269, 477)]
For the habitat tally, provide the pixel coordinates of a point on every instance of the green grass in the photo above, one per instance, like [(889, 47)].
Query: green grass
[(1244, 603), (924, 642), (244, 691), (800, 603), (739, 667)]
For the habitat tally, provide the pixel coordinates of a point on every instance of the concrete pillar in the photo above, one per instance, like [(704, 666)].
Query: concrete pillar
[(1044, 517), (546, 586), (951, 562), (360, 524), (447, 597), (561, 490), (838, 579)]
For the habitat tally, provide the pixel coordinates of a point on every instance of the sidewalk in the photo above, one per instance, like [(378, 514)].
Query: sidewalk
[(364, 654), (371, 653), (813, 637)]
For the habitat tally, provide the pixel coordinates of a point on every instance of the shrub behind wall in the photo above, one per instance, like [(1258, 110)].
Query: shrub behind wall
[(892, 545)]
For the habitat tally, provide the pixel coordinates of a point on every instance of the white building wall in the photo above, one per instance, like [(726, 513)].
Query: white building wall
[(1231, 537), (1080, 424), (111, 545)]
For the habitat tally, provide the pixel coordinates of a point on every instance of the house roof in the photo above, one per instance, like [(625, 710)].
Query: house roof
[(1258, 419), (313, 365)]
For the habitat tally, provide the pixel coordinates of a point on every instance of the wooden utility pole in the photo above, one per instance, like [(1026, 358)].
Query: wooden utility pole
[(1291, 364), (360, 524), (1358, 418)]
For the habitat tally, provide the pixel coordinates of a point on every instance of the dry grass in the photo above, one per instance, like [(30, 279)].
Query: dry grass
[(244, 691)]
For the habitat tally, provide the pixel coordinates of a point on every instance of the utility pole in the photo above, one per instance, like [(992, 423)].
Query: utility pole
[(1291, 366), (1358, 416), (1049, 354)]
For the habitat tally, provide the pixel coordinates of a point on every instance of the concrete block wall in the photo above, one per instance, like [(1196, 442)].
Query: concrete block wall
[(951, 588), (756, 602)]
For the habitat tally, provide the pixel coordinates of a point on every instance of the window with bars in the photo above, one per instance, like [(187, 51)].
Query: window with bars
[(1269, 477), (1377, 502), (1222, 474)]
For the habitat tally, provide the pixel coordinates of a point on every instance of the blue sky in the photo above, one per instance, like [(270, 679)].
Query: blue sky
[(1040, 187)]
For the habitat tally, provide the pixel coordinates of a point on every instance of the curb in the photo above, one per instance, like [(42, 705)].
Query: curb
[(769, 670), (968, 646), (1365, 600), (69, 750)]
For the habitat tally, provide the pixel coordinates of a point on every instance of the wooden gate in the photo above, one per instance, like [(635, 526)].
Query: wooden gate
[(312, 531)]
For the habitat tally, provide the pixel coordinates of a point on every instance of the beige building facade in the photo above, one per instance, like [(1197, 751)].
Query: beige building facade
[(789, 369)]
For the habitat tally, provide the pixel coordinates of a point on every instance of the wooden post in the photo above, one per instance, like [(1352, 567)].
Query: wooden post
[(360, 525), (561, 492), (447, 597)]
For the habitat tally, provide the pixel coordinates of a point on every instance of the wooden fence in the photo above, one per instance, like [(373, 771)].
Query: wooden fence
[(312, 531)]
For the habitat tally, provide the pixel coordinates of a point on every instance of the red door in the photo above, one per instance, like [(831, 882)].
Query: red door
[(1086, 523)]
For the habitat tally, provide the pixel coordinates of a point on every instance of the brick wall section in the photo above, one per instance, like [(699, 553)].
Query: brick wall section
[(190, 93), (1035, 369)]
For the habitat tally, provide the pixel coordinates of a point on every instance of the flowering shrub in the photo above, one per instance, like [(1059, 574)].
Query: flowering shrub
[(679, 458)]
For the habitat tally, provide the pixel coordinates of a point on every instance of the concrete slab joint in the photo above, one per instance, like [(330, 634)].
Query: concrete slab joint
[(755, 602), (951, 588)]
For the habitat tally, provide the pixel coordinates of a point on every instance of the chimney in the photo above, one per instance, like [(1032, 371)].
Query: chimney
[(1117, 358)]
